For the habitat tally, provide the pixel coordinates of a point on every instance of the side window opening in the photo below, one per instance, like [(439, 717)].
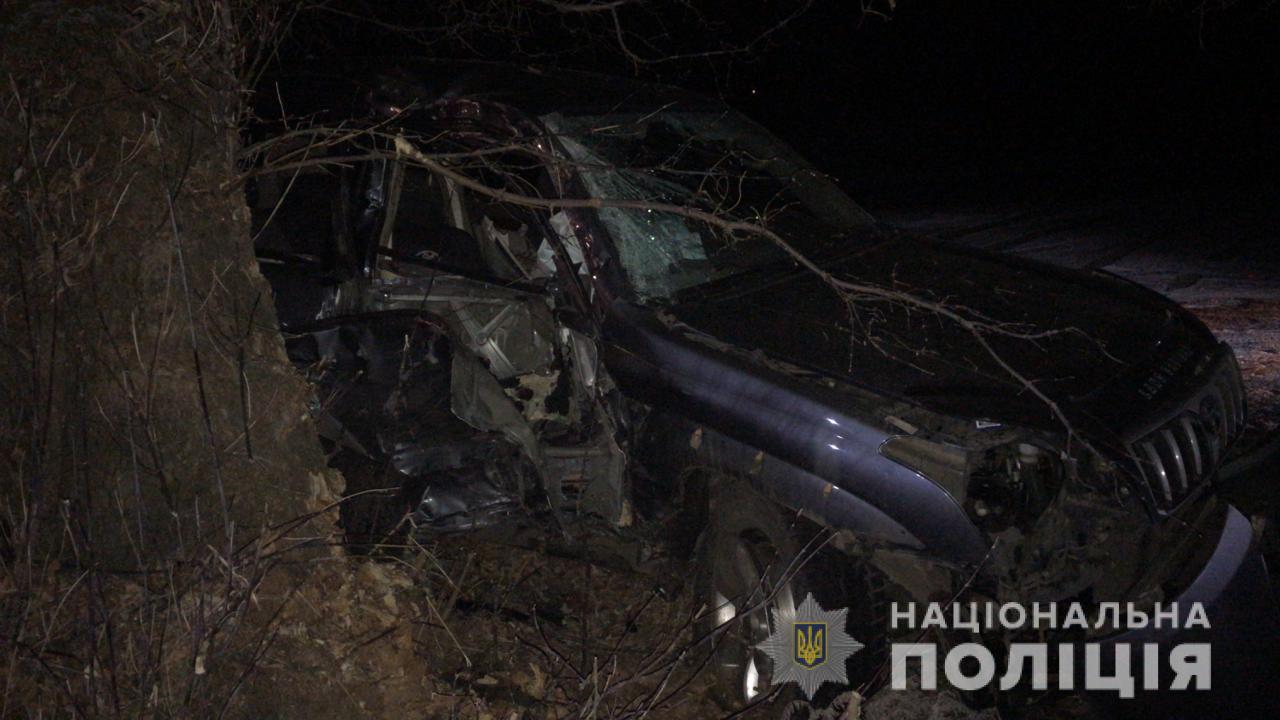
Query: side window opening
[(437, 225), (427, 226), (510, 236)]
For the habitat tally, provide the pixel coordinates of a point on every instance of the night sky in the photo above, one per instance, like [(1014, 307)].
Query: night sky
[(1026, 97), (946, 103)]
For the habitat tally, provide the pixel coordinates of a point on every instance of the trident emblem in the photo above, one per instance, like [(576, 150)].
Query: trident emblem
[(811, 644)]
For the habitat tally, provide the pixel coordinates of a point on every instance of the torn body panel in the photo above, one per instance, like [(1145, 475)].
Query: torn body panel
[(510, 373), (510, 328), (384, 402)]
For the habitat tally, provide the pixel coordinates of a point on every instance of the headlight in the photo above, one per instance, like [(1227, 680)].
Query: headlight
[(1012, 485), (1000, 487)]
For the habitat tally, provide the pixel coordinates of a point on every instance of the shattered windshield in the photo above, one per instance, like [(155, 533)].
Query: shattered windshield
[(717, 162)]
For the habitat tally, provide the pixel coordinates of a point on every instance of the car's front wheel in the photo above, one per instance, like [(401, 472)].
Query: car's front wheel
[(757, 561)]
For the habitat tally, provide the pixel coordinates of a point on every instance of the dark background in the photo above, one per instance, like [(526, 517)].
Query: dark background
[(939, 115), (1026, 91), (1030, 101)]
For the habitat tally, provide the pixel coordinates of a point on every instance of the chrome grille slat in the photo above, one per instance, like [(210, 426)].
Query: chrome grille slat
[(1181, 453), (1179, 468), (1210, 442), (1214, 413), (1193, 444), (1233, 407), (1157, 468), (1237, 391), (1223, 400)]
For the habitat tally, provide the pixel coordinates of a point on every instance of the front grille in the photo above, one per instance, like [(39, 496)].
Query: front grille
[(1182, 452)]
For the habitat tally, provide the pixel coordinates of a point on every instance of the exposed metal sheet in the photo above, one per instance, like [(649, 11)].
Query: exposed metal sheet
[(479, 401), (511, 329), (474, 497)]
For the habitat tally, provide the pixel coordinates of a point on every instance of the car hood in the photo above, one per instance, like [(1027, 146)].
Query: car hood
[(1103, 349)]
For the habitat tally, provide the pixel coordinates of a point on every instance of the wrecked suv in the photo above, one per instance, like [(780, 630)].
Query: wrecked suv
[(573, 296)]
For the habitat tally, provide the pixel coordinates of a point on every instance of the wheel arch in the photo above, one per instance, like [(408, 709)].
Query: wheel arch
[(682, 458)]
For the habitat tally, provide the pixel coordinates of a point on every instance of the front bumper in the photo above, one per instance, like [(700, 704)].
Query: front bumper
[(1243, 635)]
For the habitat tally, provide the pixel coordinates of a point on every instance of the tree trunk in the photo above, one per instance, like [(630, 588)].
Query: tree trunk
[(157, 454)]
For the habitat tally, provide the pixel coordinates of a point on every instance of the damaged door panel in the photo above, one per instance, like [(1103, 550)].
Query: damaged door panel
[(444, 345)]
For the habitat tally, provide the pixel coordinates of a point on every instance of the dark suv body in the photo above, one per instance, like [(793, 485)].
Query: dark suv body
[(494, 317)]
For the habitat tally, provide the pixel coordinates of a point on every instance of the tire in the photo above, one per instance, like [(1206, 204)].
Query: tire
[(752, 562)]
